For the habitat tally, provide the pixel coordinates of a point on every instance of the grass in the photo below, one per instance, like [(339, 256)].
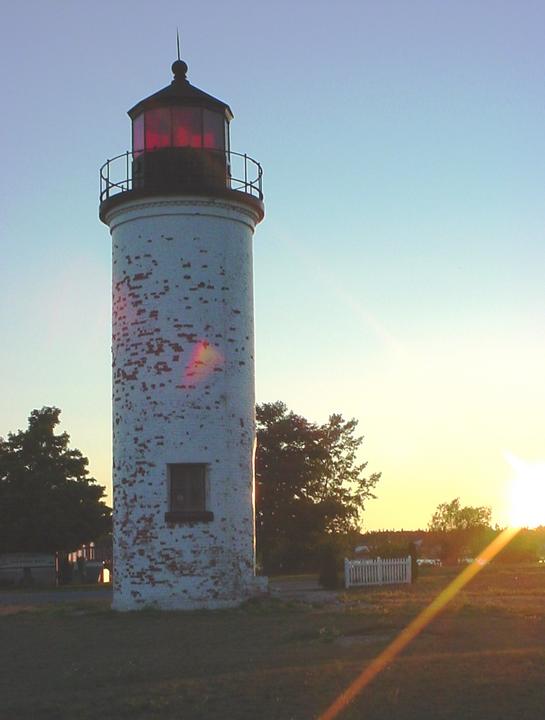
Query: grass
[(73, 587), (484, 658)]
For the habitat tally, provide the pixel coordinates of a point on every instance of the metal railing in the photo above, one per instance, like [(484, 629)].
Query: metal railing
[(243, 173)]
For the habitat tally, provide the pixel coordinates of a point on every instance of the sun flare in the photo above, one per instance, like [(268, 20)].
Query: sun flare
[(527, 492)]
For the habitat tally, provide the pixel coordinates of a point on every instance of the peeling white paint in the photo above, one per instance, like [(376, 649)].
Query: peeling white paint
[(183, 392)]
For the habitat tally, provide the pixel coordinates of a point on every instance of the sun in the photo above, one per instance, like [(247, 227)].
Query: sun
[(527, 492)]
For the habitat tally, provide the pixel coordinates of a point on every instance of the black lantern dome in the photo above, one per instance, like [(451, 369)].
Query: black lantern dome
[(180, 144)]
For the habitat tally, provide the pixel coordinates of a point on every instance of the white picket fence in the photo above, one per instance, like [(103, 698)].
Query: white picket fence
[(378, 571)]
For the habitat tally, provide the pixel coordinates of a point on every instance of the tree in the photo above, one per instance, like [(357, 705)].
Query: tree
[(451, 516), (47, 501), (524, 547), (462, 530), (308, 484)]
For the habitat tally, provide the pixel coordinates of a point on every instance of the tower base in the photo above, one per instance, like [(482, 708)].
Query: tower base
[(156, 598)]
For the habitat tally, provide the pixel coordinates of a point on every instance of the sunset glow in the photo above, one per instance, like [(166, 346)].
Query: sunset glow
[(527, 492)]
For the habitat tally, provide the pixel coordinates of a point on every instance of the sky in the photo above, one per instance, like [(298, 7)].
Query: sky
[(399, 268)]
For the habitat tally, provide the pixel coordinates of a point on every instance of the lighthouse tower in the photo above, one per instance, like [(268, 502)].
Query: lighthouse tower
[(182, 209)]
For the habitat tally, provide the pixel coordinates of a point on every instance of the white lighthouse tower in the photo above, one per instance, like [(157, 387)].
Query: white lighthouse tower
[(182, 209)]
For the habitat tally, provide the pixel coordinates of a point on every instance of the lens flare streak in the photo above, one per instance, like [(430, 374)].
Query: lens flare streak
[(414, 628)]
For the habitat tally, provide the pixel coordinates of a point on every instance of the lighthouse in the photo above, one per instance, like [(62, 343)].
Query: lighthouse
[(182, 208)]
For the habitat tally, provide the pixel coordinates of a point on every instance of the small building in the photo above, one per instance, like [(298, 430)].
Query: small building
[(26, 569)]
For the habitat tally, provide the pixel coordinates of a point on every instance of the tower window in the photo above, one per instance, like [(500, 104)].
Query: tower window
[(187, 493)]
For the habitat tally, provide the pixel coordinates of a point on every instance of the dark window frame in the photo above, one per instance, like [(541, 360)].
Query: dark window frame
[(195, 511)]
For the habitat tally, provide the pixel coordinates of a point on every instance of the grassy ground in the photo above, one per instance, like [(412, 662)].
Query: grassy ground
[(484, 658)]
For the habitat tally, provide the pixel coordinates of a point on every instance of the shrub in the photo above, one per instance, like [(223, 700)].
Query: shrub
[(330, 564)]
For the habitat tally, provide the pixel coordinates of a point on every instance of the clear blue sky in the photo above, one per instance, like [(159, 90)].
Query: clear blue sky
[(399, 270)]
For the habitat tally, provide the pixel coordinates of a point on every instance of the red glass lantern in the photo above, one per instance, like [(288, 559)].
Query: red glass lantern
[(180, 137)]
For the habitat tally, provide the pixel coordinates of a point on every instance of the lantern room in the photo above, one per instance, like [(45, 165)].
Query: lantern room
[(180, 138), (180, 145), (180, 116)]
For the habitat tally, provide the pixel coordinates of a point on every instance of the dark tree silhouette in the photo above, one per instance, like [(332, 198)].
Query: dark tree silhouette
[(452, 516), (461, 531), (308, 484), (47, 501)]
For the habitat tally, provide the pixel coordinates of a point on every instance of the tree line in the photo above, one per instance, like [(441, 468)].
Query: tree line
[(311, 492), (457, 533), (310, 486)]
